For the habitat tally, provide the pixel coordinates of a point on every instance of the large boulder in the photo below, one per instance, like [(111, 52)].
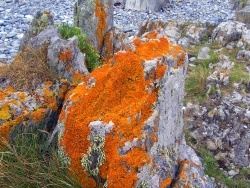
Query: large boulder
[(145, 5), (123, 126), (228, 32), (95, 18)]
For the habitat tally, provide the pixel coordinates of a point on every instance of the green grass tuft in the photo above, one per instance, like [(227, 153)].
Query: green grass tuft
[(92, 57)]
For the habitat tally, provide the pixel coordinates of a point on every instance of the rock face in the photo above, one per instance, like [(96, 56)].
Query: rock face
[(145, 5), (243, 15), (95, 18), (64, 57), (39, 23), (123, 126)]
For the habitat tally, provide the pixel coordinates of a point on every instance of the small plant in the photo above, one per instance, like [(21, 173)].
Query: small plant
[(92, 57)]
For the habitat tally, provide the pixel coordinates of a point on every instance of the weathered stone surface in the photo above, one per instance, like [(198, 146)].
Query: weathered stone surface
[(145, 5), (95, 18), (24, 108), (243, 55), (243, 15), (44, 37), (130, 120), (195, 33), (228, 32), (204, 53), (39, 23), (66, 59)]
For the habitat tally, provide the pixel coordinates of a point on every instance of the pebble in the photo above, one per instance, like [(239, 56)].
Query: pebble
[(16, 15)]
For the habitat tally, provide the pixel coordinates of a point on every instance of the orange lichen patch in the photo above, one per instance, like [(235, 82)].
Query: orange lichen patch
[(22, 96), (160, 71), (4, 112), (49, 98), (119, 95), (6, 127), (65, 56), (152, 49), (184, 166), (38, 115), (166, 183), (62, 91), (151, 35), (78, 78), (100, 13)]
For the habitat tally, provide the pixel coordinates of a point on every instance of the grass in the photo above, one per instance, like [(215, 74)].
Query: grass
[(92, 57), (28, 70), (195, 85), (26, 163)]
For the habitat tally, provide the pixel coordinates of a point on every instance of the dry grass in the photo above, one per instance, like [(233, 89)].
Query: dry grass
[(28, 70)]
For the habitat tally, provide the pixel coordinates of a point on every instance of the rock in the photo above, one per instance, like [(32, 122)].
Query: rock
[(133, 124), (21, 110), (66, 59), (243, 15), (145, 5), (95, 18), (211, 145), (40, 22), (44, 38), (245, 40), (204, 53), (227, 32), (195, 33), (243, 55), (184, 42)]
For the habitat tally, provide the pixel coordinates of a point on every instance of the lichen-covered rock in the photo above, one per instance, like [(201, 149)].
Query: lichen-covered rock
[(66, 58), (29, 107), (95, 18), (39, 23), (123, 126), (44, 37), (196, 33), (228, 33), (145, 5)]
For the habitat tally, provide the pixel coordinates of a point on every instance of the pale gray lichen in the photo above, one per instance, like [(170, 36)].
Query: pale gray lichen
[(95, 156), (63, 157), (143, 184)]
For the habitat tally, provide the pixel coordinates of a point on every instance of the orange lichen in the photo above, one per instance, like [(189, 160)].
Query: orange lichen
[(38, 115), (100, 13), (166, 183), (151, 35), (65, 56), (4, 112), (119, 95)]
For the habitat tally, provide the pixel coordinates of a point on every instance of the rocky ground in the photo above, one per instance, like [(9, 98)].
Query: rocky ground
[(217, 115), (16, 17)]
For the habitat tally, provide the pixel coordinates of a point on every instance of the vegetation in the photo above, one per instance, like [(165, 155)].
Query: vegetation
[(92, 57), (26, 163), (28, 70), (195, 85)]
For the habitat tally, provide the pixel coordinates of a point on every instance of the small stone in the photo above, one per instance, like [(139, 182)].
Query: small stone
[(211, 145), (203, 54)]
